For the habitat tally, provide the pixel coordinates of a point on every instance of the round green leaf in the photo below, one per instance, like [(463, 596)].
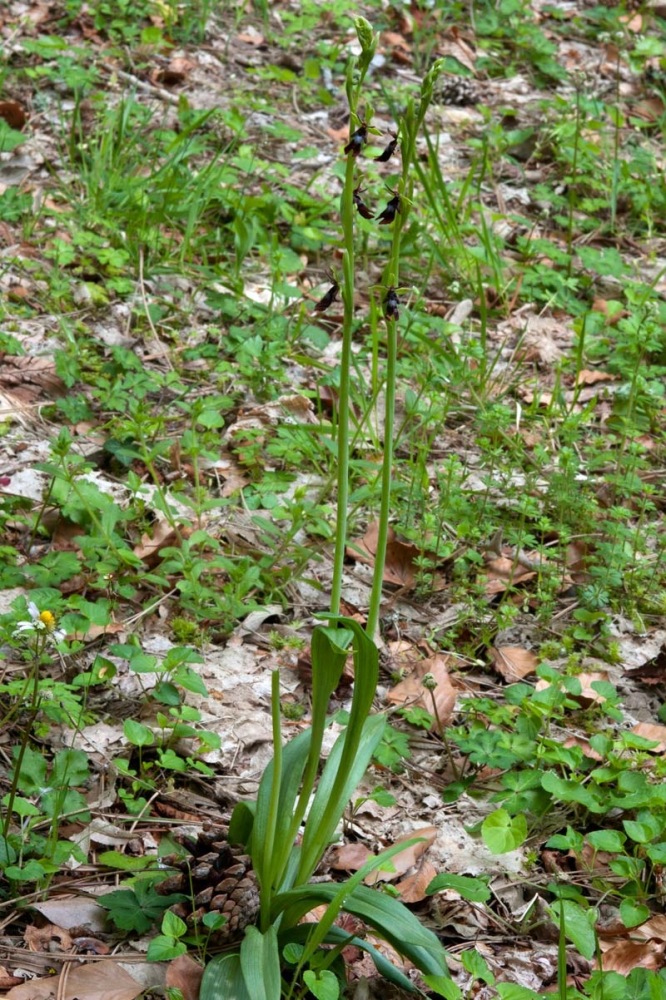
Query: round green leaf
[(138, 734), (502, 832), (632, 914)]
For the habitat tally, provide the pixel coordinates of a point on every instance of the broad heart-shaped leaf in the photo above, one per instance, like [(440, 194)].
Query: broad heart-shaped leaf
[(294, 757), (502, 832), (260, 964), (223, 979), (385, 914)]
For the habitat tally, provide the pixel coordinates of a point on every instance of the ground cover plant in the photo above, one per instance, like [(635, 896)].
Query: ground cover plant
[(332, 333)]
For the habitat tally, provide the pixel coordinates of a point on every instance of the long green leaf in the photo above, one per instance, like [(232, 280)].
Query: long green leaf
[(294, 757), (328, 660), (387, 915), (335, 790), (359, 740), (338, 936), (260, 964), (223, 980)]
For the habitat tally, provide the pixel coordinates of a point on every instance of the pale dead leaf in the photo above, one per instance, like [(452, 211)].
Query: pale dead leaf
[(410, 690), (25, 379), (652, 732), (458, 49), (412, 888), (49, 938), (625, 956), (587, 377), (163, 534), (185, 974), (575, 741), (400, 567), (94, 981), (655, 927), (407, 858), (505, 572), (513, 662), (7, 980), (349, 857)]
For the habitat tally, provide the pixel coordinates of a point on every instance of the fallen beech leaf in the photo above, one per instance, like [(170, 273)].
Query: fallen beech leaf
[(13, 113), (26, 378), (504, 572), (652, 732), (655, 927), (587, 694), (149, 547), (407, 858), (412, 889), (95, 981), (400, 566), (49, 938), (626, 956), (7, 980), (513, 662), (587, 377), (392, 38), (185, 974), (349, 857), (410, 690)]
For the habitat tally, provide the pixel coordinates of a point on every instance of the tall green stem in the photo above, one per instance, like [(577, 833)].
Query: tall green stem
[(347, 216)]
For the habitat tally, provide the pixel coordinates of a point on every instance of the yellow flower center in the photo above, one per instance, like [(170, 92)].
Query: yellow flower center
[(47, 618)]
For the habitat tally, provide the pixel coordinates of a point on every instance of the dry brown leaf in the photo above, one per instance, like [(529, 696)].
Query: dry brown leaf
[(95, 981), (588, 377), (650, 109), (655, 927), (412, 889), (13, 113), (49, 938), (184, 974), (456, 47), (407, 858), (410, 690), (7, 980), (163, 534), (400, 566), (625, 956), (575, 741), (652, 732), (349, 857), (504, 572), (26, 378), (513, 662)]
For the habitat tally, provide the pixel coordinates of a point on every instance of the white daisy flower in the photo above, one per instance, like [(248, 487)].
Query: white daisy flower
[(40, 621)]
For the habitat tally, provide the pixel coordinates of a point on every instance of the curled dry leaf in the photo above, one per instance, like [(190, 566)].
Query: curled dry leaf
[(149, 547), (407, 858), (626, 956), (505, 572), (513, 662), (410, 691), (13, 113), (587, 377), (399, 568), (184, 974), (49, 938), (652, 732), (96, 981), (25, 379), (412, 888)]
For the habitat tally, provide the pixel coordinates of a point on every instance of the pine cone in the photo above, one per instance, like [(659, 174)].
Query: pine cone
[(458, 90), (216, 877)]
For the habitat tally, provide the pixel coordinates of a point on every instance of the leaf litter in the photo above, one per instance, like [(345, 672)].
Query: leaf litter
[(237, 701)]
